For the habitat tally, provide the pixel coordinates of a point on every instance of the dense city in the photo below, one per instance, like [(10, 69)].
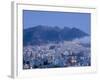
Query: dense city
[(52, 55)]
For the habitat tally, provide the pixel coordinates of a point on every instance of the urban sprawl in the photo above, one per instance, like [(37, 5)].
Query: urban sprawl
[(52, 55)]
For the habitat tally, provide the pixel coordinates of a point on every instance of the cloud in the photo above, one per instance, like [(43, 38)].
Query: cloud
[(83, 40)]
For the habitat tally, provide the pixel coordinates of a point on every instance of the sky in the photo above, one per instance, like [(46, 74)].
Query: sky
[(33, 18)]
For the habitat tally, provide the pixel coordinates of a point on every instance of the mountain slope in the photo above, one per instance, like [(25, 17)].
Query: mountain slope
[(45, 34)]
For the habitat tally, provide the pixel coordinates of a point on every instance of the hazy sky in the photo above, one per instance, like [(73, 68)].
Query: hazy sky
[(61, 19)]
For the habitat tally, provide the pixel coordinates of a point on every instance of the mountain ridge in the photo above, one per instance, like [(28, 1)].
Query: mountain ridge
[(45, 34)]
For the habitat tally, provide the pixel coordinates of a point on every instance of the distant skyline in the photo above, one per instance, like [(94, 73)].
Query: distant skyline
[(33, 18)]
